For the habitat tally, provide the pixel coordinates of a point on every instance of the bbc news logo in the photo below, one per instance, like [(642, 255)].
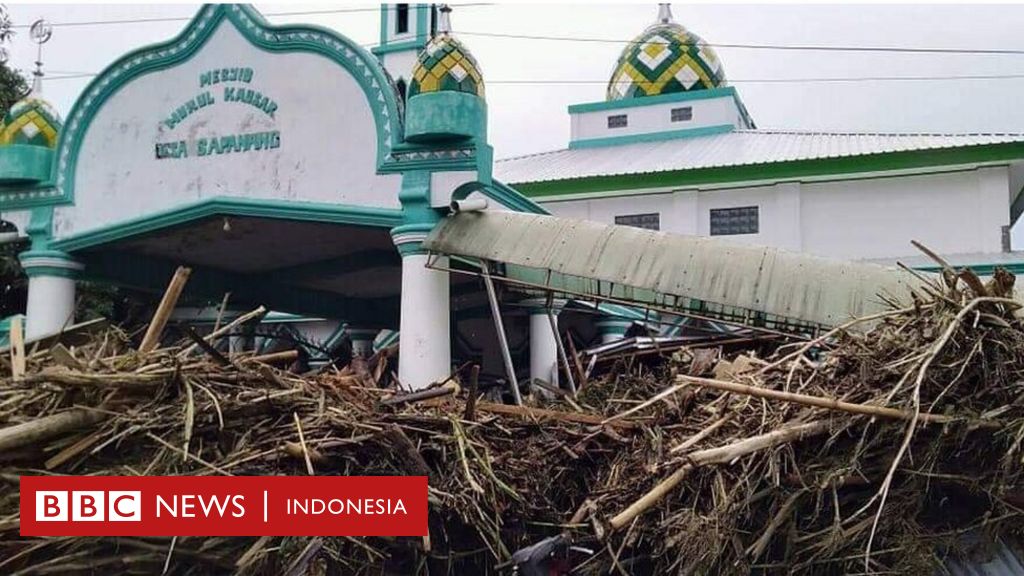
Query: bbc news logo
[(223, 506), (89, 506)]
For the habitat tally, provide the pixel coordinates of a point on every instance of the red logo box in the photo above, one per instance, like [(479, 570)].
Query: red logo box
[(223, 506)]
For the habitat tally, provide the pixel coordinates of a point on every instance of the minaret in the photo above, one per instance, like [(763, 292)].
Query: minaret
[(404, 31)]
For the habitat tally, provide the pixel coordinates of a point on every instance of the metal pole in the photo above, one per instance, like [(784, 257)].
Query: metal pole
[(499, 326), (561, 352)]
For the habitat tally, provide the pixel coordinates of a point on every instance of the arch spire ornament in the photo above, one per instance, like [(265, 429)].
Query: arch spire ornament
[(40, 33), (444, 21), (665, 13)]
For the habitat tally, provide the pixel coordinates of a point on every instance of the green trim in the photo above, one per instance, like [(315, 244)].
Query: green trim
[(229, 206), (51, 271), (1015, 268), (445, 116), (651, 136), (40, 227), (30, 262), (501, 193), (363, 67), (727, 91), (24, 164), (795, 169)]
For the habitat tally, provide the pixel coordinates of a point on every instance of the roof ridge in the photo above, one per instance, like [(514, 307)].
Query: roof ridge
[(867, 133), (531, 155)]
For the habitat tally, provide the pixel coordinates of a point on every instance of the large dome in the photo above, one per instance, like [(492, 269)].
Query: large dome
[(665, 59)]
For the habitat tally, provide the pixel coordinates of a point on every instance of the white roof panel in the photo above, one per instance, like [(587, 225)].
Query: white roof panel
[(737, 148)]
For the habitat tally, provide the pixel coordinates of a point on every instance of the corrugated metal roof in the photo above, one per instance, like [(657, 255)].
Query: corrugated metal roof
[(737, 148), (787, 285)]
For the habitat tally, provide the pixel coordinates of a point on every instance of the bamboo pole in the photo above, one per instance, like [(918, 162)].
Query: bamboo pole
[(228, 328), (818, 401), (275, 357), (718, 455), (165, 309), (17, 338)]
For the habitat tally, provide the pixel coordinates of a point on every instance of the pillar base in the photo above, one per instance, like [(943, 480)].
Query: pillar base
[(51, 291)]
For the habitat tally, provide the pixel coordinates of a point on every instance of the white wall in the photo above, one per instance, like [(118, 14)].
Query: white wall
[(952, 213), (327, 153), (400, 65), (656, 118)]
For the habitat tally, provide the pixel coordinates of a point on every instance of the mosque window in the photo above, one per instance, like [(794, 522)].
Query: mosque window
[(618, 121), (684, 114), (731, 221), (647, 221), (401, 18), (400, 87)]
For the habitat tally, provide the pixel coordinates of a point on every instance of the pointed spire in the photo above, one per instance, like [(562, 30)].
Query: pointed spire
[(665, 13), (444, 22), (40, 33)]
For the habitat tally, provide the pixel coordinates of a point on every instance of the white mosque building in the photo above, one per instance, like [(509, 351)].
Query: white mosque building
[(672, 147)]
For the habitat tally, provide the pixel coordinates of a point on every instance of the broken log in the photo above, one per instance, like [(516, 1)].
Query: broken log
[(165, 309), (718, 455), (42, 429)]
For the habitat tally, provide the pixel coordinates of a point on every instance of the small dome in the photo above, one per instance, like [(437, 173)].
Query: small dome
[(666, 58), (31, 120), (445, 64)]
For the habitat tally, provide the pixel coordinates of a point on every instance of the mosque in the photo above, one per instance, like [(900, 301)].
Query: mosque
[(208, 150)]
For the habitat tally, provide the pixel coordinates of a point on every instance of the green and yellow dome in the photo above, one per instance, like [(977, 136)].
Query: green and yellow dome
[(664, 59), (32, 121), (445, 64)]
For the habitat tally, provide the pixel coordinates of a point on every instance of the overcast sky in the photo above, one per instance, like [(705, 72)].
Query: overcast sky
[(527, 118)]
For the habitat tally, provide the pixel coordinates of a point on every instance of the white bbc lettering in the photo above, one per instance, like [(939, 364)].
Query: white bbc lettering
[(88, 506), (51, 506), (124, 506)]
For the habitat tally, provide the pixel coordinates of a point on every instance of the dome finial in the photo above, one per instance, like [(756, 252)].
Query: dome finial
[(664, 13), (40, 33), (444, 22)]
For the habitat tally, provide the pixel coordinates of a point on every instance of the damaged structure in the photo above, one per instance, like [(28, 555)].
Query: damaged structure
[(739, 408), (291, 168)]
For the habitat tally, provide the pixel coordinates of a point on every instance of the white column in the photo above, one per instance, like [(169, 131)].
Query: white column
[(362, 341), (543, 346), (51, 291), (543, 349), (424, 349)]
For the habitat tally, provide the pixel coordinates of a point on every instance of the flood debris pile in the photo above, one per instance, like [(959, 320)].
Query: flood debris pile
[(874, 448)]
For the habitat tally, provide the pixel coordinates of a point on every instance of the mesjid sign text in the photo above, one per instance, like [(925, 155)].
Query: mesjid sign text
[(222, 85)]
